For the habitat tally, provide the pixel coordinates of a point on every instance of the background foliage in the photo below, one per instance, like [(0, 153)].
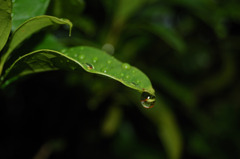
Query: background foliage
[(189, 49)]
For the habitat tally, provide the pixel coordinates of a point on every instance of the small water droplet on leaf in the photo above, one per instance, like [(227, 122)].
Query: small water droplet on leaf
[(147, 100), (95, 59), (126, 66), (109, 61), (81, 57), (104, 70)]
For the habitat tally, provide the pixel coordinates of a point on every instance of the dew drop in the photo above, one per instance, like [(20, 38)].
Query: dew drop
[(89, 66), (147, 100), (126, 66), (95, 59), (109, 61), (104, 70), (81, 57)]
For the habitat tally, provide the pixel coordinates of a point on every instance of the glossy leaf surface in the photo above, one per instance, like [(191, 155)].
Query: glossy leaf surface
[(32, 26), (25, 9), (90, 59), (5, 21)]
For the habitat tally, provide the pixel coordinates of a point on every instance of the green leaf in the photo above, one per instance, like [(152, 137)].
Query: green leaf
[(169, 35), (90, 59), (32, 26), (25, 9), (168, 129), (5, 21)]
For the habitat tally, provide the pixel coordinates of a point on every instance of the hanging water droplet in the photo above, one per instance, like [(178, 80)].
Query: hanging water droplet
[(89, 66), (81, 57), (126, 66), (95, 59), (147, 100)]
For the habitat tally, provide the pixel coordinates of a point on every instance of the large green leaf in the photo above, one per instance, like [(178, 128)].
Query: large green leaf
[(90, 59), (5, 21), (25, 9)]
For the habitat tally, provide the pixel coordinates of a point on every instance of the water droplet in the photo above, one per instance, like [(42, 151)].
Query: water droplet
[(89, 66), (109, 61), (147, 100), (104, 70), (81, 57), (127, 77), (126, 66), (95, 59)]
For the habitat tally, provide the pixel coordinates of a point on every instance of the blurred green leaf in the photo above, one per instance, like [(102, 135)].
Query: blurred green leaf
[(169, 35), (25, 9), (5, 21), (168, 129), (175, 88), (112, 121)]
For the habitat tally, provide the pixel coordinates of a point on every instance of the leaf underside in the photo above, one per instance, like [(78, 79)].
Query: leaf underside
[(90, 59)]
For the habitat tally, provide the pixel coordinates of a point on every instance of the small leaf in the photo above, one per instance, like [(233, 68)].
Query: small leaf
[(26, 9), (90, 59), (5, 21)]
